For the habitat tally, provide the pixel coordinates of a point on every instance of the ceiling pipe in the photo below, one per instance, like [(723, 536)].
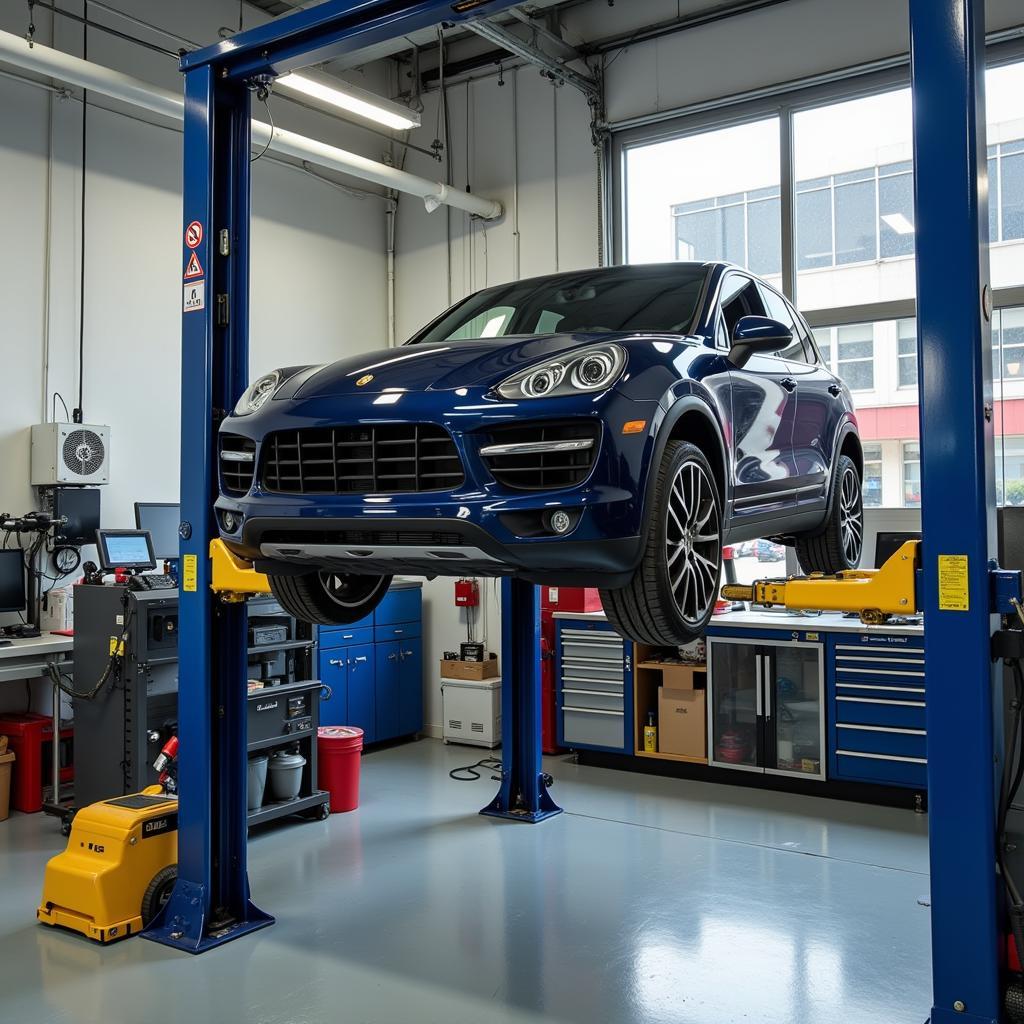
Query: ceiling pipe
[(72, 70)]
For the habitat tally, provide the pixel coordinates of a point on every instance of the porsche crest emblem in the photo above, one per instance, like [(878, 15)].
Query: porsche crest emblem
[(363, 381)]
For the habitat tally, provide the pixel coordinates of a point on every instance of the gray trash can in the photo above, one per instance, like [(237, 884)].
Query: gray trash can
[(257, 780), (286, 775)]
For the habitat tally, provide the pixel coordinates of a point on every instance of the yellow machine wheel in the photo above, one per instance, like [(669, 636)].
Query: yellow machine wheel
[(158, 892)]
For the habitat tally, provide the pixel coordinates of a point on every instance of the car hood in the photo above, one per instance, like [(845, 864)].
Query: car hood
[(442, 367)]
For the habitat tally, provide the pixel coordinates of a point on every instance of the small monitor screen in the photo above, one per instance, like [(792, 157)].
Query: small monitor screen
[(12, 580), (161, 520), (125, 549), (887, 544)]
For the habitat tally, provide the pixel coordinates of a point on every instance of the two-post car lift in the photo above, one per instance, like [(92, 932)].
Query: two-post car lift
[(210, 903)]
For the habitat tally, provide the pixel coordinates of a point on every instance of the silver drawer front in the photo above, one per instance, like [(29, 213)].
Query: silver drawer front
[(592, 699), (595, 668), (596, 685), (593, 727)]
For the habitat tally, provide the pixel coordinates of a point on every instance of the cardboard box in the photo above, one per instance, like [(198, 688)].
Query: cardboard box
[(675, 675), (682, 722), (486, 669)]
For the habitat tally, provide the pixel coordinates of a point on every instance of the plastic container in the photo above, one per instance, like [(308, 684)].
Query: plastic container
[(257, 780), (285, 773), (338, 750)]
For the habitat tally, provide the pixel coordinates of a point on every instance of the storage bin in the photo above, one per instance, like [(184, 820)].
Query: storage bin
[(257, 780), (285, 774)]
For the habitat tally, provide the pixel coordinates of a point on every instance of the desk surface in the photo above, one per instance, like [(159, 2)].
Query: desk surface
[(37, 646), (827, 622)]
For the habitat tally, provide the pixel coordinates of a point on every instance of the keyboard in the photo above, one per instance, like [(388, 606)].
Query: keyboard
[(152, 581)]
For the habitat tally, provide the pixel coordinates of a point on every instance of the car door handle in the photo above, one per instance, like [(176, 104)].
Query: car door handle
[(788, 383), (835, 390)]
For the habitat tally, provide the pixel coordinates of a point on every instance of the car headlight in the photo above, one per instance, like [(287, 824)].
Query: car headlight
[(591, 369), (258, 393)]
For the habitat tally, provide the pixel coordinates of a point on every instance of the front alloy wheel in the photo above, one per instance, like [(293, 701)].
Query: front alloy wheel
[(673, 591), (838, 544)]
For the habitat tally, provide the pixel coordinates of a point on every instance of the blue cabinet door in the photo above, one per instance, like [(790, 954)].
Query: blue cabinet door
[(410, 686), (334, 676), (361, 691), (388, 693)]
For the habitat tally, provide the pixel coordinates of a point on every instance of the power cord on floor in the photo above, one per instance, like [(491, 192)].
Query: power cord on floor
[(469, 772)]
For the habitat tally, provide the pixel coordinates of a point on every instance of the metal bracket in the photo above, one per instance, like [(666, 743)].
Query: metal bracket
[(232, 578), (1005, 595)]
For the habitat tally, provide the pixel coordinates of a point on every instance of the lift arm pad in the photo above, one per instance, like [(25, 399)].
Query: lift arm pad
[(233, 578)]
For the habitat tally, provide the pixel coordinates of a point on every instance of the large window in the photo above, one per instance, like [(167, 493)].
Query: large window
[(712, 191), (708, 196)]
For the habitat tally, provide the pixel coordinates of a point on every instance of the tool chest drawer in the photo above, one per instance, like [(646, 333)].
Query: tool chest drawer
[(590, 727), (903, 714), (883, 739), (881, 768), (344, 636), (591, 699), (397, 631)]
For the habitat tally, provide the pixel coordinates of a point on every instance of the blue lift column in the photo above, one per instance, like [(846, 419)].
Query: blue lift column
[(958, 504), (523, 794)]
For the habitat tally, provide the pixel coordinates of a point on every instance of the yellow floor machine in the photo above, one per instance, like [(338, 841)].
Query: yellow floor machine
[(121, 861)]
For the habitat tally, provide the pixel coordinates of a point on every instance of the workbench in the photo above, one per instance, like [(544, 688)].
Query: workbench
[(809, 698), (30, 659)]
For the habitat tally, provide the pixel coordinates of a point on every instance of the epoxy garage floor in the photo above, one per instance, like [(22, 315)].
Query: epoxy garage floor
[(650, 900)]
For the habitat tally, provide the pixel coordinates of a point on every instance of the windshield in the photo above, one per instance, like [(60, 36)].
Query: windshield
[(658, 299)]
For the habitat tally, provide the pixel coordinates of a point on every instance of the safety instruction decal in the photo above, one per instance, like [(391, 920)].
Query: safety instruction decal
[(953, 586), (194, 234), (194, 268), (189, 573), (194, 297)]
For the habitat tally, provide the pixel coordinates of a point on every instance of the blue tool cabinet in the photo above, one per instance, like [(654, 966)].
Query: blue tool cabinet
[(594, 686), (374, 669), (877, 695)]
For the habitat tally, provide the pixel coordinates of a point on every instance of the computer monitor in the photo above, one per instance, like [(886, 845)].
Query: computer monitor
[(12, 580), (888, 543), (161, 519), (81, 507), (125, 549)]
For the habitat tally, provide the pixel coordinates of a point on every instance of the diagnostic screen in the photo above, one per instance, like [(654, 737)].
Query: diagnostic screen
[(125, 549), (12, 580), (162, 523)]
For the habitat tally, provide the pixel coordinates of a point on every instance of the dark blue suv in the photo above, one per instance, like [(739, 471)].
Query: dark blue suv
[(610, 428)]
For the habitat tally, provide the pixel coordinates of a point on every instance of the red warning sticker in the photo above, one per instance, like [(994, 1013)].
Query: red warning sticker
[(194, 268), (193, 234)]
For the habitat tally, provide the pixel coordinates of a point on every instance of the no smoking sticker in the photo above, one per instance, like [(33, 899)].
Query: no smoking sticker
[(194, 268), (194, 297), (194, 234)]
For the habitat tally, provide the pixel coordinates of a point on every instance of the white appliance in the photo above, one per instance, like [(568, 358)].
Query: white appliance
[(472, 711), (70, 453)]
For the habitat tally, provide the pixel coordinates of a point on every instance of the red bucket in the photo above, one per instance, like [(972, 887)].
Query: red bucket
[(338, 749)]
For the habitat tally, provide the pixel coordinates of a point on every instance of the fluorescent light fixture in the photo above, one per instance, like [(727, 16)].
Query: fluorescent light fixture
[(337, 93), (899, 223), (389, 399)]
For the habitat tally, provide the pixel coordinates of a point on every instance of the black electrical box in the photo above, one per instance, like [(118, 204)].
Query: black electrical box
[(81, 507)]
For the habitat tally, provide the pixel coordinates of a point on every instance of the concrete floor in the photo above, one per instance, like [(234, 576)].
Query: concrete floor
[(651, 900)]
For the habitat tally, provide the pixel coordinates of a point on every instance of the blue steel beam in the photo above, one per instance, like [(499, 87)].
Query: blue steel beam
[(958, 504), (210, 903), (329, 30)]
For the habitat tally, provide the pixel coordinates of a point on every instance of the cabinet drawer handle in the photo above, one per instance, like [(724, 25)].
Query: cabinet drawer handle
[(336, 662), (393, 656), (884, 703), (882, 757), (362, 657), (595, 711)]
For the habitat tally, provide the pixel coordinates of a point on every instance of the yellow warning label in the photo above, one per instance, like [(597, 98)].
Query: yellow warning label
[(953, 589), (189, 573)]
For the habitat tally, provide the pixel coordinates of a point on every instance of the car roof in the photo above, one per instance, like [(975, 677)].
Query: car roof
[(637, 269)]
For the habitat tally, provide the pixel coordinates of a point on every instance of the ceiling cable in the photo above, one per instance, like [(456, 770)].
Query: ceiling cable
[(79, 414)]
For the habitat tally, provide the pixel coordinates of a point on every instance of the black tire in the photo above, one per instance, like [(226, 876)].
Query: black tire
[(329, 598), (657, 606), (157, 893), (839, 544)]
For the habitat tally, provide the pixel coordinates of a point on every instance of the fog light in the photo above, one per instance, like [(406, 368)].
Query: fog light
[(229, 521), (560, 522)]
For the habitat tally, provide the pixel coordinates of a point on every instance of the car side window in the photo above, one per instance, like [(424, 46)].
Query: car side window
[(779, 309), (740, 297)]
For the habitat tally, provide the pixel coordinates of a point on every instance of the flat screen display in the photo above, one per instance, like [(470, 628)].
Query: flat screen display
[(161, 520), (125, 549), (12, 580)]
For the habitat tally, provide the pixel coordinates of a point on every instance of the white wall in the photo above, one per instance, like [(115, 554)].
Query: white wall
[(558, 230), (318, 264)]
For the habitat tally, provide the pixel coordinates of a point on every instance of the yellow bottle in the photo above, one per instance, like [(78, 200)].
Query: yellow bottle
[(650, 735)]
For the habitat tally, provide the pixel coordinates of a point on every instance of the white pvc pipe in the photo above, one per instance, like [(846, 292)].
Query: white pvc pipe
[(87, 75)]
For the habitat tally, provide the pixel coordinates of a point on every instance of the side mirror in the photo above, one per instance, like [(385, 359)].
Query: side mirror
[(757, 334)]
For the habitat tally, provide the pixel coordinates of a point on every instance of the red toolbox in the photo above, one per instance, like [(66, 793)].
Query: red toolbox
[(30, 736)]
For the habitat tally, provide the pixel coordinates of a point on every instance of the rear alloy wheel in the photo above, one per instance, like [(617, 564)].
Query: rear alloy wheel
[(838, 545), (329, 598), (673, 591)]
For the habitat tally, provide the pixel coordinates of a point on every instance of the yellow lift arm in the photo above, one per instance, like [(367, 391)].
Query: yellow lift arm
[(233, 578), (874, 594)]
